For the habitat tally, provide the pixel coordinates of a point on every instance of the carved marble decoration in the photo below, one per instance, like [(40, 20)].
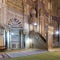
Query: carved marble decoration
[(14, 21)]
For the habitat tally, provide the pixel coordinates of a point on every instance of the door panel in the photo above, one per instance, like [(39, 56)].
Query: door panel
[(1, 40), (15, 39)]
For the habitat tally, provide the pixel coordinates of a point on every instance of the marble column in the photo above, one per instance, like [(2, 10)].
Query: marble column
[(50, 37)]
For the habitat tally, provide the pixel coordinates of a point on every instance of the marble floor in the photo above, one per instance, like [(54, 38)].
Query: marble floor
[(8, 55), (24, 53)]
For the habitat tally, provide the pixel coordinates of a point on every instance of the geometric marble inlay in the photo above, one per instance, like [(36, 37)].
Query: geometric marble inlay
[(15, 23)]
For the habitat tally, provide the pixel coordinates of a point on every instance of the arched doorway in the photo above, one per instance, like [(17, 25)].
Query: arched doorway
[(16, 35)]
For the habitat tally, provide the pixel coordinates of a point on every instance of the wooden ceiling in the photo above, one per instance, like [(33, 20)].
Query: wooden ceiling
[(19, 3), (16, 4)]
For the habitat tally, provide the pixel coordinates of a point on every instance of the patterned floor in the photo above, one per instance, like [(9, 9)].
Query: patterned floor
[(25, 53), (4, 57), (9, 55)]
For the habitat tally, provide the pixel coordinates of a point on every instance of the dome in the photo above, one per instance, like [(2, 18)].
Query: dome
[(33, 11)]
